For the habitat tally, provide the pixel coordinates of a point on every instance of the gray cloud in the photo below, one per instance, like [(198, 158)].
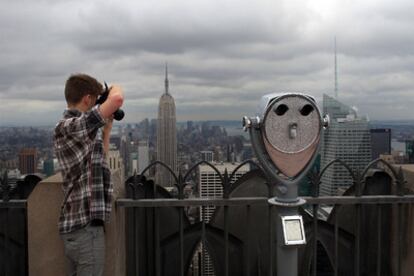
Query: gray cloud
[(222, 55)]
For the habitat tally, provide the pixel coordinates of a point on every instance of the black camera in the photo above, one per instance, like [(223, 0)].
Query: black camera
[(119, 114)]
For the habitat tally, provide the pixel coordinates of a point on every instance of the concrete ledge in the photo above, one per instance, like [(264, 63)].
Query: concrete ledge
[(45, 248)]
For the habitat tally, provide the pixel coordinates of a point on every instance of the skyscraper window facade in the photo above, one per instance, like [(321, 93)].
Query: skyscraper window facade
[(28, 161), (143, 155), (348, 138)]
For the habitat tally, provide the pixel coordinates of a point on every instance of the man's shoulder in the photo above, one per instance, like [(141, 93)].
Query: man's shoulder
[(58, 130), (59, 123)]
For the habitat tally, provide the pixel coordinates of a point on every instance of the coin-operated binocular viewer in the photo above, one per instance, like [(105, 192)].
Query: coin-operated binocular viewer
[(285, 137)]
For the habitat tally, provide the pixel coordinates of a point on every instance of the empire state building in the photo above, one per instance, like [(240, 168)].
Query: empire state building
[(166, 137)]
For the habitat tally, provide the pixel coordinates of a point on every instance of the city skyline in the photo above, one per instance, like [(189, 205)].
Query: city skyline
[(221, 67)]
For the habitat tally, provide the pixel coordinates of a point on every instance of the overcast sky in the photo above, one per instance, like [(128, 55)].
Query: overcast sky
[(222, 55)]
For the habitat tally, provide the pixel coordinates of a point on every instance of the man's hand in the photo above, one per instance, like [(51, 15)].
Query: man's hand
[(113, 102)]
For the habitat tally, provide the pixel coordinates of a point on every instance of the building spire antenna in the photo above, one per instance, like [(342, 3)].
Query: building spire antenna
[(166, 78), (336, 73)]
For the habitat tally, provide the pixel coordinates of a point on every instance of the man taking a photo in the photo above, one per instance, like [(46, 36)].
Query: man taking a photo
[(81, 151)]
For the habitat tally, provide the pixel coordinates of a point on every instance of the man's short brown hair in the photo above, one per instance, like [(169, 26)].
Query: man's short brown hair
[(79, 85)]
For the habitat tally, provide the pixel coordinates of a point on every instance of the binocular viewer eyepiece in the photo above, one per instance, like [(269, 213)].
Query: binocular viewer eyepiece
[(118, 114), (286, 132)]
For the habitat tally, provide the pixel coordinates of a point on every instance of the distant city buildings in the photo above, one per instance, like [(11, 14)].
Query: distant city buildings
[(207, 155), (398, 145), (9, 164), (13, 176), (395, 157), (348, 138), (133, 140), (166, 137), (143, 156)]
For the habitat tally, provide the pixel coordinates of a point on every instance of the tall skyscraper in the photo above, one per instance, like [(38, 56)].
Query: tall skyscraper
[(347, 138), (380, 142), (166, 137), (28, 160)]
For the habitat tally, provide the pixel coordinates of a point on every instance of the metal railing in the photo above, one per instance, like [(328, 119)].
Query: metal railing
[(365, 233), (13, 231), (240, 238)]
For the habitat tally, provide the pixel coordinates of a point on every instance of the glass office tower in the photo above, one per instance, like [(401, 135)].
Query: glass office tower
[(348, 139)]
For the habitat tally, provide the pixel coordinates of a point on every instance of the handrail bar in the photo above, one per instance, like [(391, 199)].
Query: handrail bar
[(341, 200)]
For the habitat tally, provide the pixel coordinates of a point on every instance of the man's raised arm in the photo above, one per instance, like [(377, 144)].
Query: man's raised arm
[(113, 102)]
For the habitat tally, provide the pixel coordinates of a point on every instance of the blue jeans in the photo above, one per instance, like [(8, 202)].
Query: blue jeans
[(85, 251)]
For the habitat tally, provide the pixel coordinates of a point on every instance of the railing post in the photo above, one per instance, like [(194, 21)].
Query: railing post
[(358, 183), (315, 180), (5, 198), (226, 184), (5, 187), (180, 186), (134, 186), (226, 193)]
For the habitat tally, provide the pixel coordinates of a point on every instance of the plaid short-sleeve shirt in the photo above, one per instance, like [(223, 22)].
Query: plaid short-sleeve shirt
[(87, 185)]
